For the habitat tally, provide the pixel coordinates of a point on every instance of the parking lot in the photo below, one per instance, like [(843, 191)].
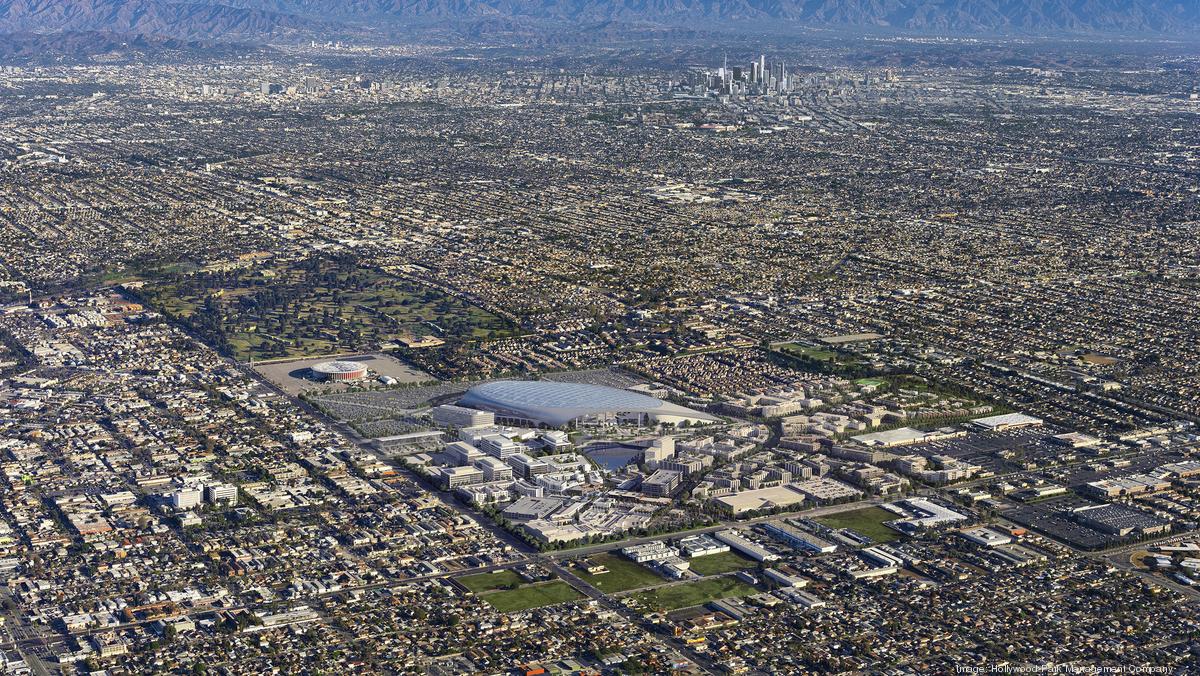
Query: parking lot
[(296, 377)]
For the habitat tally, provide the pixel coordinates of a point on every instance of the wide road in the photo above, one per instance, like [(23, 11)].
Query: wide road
[(14, 619)]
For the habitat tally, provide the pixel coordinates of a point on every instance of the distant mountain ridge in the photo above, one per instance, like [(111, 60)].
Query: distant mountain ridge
[(198, 19), (82, 46), (281, 19), (959, 15)]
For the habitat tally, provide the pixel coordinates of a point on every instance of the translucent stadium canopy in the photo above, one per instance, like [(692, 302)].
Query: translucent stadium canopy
[(558, 404)]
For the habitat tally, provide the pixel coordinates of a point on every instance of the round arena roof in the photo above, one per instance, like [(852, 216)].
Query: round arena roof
[(338, 367), (557, 404)]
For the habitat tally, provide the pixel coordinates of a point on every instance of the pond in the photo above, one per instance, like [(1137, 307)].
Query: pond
[(613, 457)]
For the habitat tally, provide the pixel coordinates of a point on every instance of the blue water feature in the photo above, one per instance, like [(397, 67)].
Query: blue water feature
[(613, 457)]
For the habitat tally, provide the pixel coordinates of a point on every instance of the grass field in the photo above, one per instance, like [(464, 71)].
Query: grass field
[(715, 564), (868, 521), (485, 582), (817, 353), (532, 596), (909, 382), (622, 575), (822, 359), (694, 593)]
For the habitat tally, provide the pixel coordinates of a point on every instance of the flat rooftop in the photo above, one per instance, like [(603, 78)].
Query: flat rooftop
[(850, 338), (1006, 420), (763, 498)]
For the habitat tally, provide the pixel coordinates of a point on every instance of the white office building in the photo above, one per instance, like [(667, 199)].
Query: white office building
[(499, 446), (226, 493), (494, 469), (450, 415), (187, 498)]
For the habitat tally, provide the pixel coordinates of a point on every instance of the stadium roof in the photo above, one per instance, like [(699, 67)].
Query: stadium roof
[(558, 404), (1006, 420), (339, 367)]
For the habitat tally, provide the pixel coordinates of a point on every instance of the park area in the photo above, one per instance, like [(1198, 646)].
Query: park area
[(317, 306), (809, 352), (622, 575), (821, 359), (867, 521), (691, 594), (717, 564), (507, 592), (486, 582)]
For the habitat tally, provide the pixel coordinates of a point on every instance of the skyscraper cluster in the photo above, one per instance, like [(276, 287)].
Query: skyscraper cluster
[(759, 79)]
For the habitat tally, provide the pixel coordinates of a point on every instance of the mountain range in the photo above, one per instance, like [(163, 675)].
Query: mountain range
[(75, 46), (276, 20)]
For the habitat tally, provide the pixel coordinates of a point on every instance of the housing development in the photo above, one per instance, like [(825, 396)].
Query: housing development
[(696, 356)]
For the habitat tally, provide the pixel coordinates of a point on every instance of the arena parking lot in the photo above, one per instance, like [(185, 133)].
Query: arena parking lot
[(295, 377)]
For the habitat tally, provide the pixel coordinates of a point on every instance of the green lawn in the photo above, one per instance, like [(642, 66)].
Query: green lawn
[(909, 382), (715, 564), (817, 353), (693, 593), (484, 582), (868, 521), (622, 574), (532, 596)]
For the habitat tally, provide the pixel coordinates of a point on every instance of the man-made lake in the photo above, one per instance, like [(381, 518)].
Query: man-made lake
[(613, 457)]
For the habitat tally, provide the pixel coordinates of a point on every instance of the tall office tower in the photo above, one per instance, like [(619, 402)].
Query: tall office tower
[(762, 67)]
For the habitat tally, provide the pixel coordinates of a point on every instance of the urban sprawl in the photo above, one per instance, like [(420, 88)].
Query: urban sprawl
[(810, 359)]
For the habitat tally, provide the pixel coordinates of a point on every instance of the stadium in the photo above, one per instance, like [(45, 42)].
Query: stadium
[(552, 404), (340, 370)]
